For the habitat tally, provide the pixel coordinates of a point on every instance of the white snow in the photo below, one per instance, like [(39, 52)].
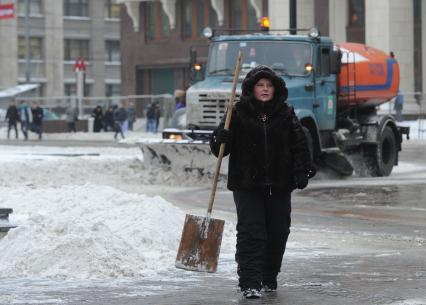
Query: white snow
[(88, 231), (84, 213), (96, 213)]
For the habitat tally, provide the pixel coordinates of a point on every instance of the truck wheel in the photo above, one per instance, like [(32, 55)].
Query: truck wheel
[(386, 153), (376, 160)]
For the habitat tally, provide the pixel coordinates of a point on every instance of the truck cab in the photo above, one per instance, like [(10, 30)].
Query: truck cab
[(305, 62)]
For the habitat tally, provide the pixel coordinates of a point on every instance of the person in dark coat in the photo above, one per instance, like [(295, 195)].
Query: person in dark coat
[(109, 119), (268, 158), (12, 117), (151, 117), (120, 118), (98, 122), (37, 123)]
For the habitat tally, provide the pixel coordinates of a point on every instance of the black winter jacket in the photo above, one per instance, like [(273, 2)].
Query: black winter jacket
[(12, 114), (264, 152)]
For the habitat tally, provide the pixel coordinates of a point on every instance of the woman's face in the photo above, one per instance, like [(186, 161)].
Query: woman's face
[(264, 90)]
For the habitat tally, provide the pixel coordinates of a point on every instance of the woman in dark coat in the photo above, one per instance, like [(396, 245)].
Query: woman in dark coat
[(109, 123), (98, 122), (269, 158)]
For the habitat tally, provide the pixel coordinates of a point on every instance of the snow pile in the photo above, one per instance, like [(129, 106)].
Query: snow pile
[(119, 167), (88, 231)]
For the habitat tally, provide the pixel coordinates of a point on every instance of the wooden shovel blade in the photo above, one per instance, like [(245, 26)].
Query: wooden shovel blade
[(200, 244)]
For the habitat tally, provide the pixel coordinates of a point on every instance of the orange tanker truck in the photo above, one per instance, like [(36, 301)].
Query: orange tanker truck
[(335, 90)]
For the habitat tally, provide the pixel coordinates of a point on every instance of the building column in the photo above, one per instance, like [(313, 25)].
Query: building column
[(424, 50), (279, 14), (389, 27), (54, 47), (9, 52), (338, 20), (97, 67), (305, 14)]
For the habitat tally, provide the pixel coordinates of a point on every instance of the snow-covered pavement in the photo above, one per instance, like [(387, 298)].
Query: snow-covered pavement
[(96, 221)]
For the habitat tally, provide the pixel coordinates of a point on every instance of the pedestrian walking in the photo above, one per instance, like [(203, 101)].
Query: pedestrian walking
[(151, 118), (109, 119), (157, 115), (12, 117), (120, 118), (131, 115), (71, 117), (398, 106), (98, 116), (37, 123), (25, 116), (268, 158)]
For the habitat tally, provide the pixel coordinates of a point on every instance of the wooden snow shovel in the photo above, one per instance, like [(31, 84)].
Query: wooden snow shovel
[(201, 236)]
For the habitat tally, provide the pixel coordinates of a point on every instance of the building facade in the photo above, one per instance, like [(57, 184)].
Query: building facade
[(156, 36), (59, 33)]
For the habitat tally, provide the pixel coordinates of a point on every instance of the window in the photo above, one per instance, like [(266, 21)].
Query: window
[(158, 22), (325, 62), (243, 15), (287, 58), (71, 90), (34, 6), (36, 48), (112, 10), (113, 90), (79, 8), (76, 48), (112, 50), (198, 14), (356, 24)]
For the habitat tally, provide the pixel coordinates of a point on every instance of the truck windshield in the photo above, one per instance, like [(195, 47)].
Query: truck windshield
[(285, 58)]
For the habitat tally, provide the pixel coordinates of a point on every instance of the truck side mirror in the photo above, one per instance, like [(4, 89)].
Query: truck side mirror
[(336, 62)]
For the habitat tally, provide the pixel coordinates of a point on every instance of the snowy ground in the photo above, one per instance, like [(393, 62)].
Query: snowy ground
[(97, 217)]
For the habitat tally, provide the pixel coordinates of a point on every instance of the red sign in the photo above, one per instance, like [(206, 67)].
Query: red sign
[(79, 65), (7, 11)]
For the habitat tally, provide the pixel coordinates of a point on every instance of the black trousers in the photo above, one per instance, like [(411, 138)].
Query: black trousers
[(262, 231), (10, 126)]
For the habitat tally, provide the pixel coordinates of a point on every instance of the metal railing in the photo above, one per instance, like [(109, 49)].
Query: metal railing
[(57, 106)]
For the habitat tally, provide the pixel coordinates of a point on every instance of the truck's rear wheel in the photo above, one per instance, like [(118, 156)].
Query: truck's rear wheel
[(386, 153), (376, 160)]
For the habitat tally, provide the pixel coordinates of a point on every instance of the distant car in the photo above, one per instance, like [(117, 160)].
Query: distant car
[(50, 115)]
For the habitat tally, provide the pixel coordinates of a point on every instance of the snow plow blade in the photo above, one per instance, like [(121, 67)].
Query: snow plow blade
[(179, 155), (337, 162)]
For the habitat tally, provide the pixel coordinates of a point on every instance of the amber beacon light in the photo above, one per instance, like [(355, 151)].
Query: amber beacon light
[(264, 24)]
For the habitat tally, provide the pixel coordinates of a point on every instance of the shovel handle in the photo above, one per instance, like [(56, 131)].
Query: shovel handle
[(227, 123)]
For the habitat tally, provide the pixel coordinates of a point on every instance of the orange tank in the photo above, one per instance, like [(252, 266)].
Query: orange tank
[(369, 77)]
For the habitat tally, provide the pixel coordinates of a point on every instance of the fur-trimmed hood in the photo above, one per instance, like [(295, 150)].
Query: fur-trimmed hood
[(255, 75)]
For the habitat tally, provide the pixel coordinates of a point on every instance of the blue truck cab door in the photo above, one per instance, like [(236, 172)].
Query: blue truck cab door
[(324, 104)]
